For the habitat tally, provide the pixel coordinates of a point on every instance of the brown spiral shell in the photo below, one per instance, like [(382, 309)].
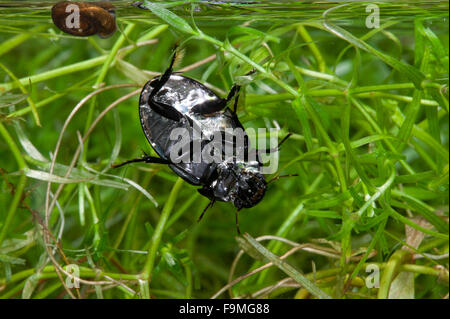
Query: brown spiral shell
[(94, 18)]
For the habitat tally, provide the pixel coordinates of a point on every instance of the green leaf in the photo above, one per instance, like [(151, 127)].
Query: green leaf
[(131, 72), (412, 73), (150, 230), (256, 33), (423, 209), (298, 105), (332, 201), (410, 118), (12, 99), (30, 285), (419, 41), (14, 244), (44, 176), (323, 213), (29, 148), (11, 260), (174, 266), (402, 287), (249, 249), (438, 49), (169, 17), (257, 248)]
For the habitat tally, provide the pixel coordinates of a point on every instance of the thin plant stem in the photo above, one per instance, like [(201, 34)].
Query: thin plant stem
[(159, 229)]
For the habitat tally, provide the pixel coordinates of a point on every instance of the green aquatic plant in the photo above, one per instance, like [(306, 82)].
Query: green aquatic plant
[(368, 109)]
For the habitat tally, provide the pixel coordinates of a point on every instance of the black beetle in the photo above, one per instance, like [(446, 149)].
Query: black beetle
[(172, 101)]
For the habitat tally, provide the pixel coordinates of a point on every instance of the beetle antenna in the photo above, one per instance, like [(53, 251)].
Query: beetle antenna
[(278, 177), (237, 223), (206, 208), (284, 140), (271, 150)]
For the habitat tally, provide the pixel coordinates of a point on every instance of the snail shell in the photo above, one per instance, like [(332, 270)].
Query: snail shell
[(85, 18)]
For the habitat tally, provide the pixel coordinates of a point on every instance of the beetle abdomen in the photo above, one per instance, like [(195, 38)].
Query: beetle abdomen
[(174, 139)]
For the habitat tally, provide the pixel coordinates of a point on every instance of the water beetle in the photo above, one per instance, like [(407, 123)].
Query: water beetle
[(172, 101)]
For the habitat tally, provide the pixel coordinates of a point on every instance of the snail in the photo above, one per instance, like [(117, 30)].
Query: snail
[(85, 18)]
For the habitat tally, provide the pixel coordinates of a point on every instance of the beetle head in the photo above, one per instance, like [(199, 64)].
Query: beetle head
[(250, 189)]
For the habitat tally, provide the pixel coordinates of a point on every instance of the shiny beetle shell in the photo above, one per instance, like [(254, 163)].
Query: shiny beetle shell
[(229, 181), (85, 18)]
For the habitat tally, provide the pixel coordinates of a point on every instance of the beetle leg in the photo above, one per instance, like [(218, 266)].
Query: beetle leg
[(207, 192), (165, 110), (237, 223), (159, 82), (164, 77), (145, 158), (209, 107), (206, 208), (233, 92), (282, 176)]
